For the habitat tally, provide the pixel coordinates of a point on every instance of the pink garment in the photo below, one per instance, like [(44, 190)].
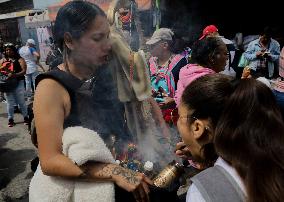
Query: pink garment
[(188, 74)]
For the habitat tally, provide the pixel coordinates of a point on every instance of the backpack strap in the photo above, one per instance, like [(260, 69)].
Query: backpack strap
[(216, 184), (174, 61)]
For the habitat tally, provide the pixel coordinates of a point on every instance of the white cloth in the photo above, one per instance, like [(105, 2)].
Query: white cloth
[(193, 194), (80, 145), (29, 58)]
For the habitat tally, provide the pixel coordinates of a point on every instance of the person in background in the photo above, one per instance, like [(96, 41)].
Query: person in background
[(145, 21), (262, 54), (66, 85), (201, 106), (145, 12), (208, 56), (31, 57), (212, 31), (127, 20), (164, 66), (254, 148), (209, 104), (16, 96), (2, 97)]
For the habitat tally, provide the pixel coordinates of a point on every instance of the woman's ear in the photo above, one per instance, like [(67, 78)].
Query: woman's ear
[(68, 41), (199, 127)]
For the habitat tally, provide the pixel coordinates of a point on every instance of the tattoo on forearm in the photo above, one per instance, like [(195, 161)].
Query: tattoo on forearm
[(129, 175), (102, 172), (105, 172)]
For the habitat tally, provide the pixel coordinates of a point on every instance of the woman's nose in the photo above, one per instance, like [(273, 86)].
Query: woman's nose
[(107, 46)]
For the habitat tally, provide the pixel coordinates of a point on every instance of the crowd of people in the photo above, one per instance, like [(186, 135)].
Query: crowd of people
[(230, 125), (19, 68)]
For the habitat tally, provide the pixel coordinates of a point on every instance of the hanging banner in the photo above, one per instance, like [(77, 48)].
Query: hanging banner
[(44, 35), (37, 18), (53, 9)]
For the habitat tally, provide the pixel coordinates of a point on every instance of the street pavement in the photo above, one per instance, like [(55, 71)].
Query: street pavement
[(16, 153)]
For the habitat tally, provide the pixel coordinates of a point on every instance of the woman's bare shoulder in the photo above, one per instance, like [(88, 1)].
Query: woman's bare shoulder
[(49, 85), (49, 90)]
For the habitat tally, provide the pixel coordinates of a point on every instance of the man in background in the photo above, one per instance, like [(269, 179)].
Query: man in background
[(263, 55), (31, 57)]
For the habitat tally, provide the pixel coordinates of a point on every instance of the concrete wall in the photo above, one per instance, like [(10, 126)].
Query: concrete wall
[(40, 4)]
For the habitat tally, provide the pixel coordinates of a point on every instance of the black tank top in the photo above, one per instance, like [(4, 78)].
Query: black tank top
[(94, 104)]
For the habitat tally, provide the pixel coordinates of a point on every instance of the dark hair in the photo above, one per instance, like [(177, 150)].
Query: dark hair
[(177, 45), (13, 48), (250, 137), (204, 50), (206, 96), (74, 17), (267, 31)]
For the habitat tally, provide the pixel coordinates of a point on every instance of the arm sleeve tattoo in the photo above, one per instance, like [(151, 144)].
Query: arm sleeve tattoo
[(129, 175)]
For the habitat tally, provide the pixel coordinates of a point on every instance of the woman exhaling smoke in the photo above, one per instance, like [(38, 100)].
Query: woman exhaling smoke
[(69, 101)]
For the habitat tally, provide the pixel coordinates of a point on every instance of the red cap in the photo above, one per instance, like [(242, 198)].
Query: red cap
[(208, 30)]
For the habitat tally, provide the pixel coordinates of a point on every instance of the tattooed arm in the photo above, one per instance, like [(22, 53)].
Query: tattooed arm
[(49, 124), (131, 181), (123, 177)]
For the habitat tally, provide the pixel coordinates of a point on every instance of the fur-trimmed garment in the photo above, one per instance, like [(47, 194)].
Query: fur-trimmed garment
[(80, 145)]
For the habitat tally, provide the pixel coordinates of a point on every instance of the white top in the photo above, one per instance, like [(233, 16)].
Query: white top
[(27, 54), (193, 194)]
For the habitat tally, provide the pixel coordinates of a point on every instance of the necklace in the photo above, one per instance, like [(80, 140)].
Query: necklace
[(165, 67)]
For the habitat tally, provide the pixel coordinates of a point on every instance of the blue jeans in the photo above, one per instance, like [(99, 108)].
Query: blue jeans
[(16, 97), (30, 78)]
